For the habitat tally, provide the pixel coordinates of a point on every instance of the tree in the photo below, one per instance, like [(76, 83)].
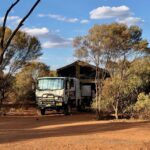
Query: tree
[(4, 45), (120, 94), (141, 68), (23, 49), (53, 73), (123, 94), (109, 43), (26, 77), (142, 106)]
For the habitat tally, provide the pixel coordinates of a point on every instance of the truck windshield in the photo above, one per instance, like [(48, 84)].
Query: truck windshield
[(50, 84)]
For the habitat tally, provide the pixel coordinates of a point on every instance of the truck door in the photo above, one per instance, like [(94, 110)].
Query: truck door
[(70, 89), (72, 94)]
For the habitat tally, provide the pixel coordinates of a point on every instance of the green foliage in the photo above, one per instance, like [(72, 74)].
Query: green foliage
[(23, 48), (118, 93), (26, 78), (112, 45), (106, 105), (141, 68), (121, 94), (142, 106), (112, 40), (53, 73)]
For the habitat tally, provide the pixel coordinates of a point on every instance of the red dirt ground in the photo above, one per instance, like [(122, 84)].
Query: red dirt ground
[(75, 132)]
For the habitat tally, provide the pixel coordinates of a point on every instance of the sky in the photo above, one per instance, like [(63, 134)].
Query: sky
[(57, 22)]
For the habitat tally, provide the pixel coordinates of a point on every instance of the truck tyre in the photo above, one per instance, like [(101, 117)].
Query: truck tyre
[(42, 111), (58, 110), (67, 109), (81, 108)]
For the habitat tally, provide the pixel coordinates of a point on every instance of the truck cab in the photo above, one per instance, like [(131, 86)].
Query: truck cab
[(57, 93)]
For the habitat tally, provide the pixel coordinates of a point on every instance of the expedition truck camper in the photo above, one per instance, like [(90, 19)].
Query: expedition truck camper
[(74, 87)]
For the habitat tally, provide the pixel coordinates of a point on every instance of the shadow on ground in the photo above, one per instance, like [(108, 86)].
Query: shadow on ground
[(13, 129)]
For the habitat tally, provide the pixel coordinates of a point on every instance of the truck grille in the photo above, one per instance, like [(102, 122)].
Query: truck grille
[(46, 101)]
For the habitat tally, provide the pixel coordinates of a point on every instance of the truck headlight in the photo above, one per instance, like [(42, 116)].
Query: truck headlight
[(56, 98), (45, 96)]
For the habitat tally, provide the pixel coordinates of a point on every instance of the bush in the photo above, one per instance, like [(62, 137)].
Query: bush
[(104, 105), (142, 106)]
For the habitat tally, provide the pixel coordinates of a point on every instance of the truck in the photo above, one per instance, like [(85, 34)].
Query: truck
[(62, 93)]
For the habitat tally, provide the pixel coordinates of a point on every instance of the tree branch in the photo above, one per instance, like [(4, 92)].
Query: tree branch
[(20, 24), (4, 22)]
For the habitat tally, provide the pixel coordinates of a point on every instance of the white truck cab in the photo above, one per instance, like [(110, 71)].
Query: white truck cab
[(58, 93)]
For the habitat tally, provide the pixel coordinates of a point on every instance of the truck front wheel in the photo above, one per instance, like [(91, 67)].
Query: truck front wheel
[(67, 109), (81, 108), (42, 111)]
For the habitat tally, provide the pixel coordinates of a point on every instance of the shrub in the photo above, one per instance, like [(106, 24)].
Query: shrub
[(142, 106)]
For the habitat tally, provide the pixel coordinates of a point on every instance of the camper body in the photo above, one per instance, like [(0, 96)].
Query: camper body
[(61, 93)]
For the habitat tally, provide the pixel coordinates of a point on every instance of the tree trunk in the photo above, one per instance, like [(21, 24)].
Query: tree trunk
[(116, 113), (98, 93), (1, 56), (1, 102), (96, 88), (98, 114)]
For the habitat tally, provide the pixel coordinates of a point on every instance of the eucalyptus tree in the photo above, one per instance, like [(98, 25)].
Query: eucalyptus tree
[(25, 79), (109, 43), (9, 48), (4, 44), (23, 49)]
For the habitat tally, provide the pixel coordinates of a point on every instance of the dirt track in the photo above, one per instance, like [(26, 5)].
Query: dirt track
[(76, 132)]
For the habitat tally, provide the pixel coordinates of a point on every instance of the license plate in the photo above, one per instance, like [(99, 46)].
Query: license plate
[(48, 105), (58, 104)]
